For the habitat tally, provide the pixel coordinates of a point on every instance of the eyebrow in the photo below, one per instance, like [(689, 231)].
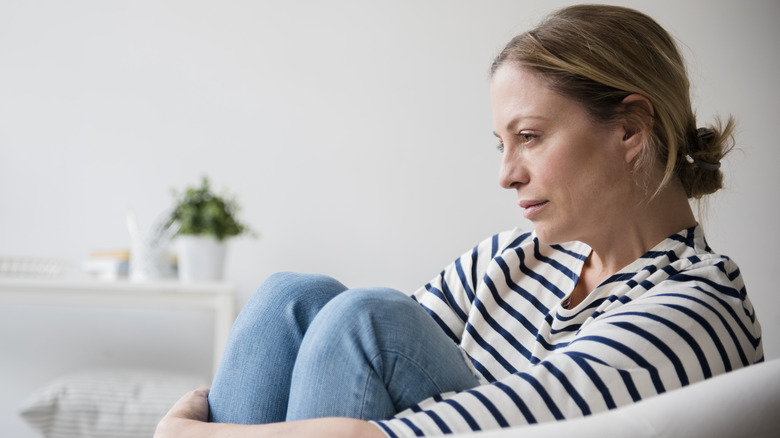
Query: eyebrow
[(515, 121)]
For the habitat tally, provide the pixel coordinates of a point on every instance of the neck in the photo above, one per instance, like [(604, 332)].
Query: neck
[(637, 230)]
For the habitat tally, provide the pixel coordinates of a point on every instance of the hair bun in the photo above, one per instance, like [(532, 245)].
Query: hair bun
[(704, 139), (705, 135)]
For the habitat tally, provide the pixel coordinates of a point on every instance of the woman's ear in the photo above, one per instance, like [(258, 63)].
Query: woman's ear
[(637, 124)]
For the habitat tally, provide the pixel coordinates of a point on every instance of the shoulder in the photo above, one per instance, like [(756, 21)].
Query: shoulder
[(680, 273), (693, 262)]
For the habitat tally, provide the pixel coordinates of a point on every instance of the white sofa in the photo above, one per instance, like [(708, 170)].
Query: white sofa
[(742, 403)]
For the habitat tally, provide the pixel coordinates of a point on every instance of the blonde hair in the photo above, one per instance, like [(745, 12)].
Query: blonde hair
[(598, 55)]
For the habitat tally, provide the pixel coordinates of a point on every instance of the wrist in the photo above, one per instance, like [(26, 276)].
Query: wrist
[(183, 427)]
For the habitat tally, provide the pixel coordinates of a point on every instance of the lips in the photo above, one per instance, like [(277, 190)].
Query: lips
[(532, 207)]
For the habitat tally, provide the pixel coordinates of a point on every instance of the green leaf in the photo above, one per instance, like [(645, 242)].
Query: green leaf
[(201, 212)]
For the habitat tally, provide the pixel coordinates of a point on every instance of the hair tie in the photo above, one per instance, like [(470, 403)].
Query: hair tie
[(702, 164)]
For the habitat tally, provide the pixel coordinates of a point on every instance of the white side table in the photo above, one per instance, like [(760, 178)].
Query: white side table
[(218, 297)]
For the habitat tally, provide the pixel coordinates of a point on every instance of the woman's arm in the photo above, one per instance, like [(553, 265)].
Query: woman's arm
[(450, 295), (187, 418)]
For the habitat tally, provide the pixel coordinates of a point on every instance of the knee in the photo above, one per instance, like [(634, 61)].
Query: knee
[(369, 321), (296, 283), (359, 308), (295, 295), (371, 300), (283, 288)]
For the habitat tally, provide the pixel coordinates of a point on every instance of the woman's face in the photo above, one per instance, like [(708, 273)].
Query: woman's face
[(570, 174)]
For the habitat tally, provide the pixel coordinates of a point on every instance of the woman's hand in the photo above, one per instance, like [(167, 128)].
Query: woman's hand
[(191, 409), (187, 418)]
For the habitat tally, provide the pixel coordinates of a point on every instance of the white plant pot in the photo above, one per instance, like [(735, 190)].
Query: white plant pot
[(201, 258)]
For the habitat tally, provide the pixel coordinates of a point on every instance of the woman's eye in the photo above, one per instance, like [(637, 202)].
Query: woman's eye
[(526, 138)]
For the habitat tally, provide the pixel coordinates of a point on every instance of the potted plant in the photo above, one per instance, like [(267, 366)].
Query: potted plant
[(203, 222)]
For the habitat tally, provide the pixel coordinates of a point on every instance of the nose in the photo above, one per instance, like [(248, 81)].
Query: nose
[(513, 172)]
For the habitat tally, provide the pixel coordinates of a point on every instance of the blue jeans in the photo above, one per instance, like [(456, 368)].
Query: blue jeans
[(305, 346)]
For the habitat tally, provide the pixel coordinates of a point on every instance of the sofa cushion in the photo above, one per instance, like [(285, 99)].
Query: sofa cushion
[(106, 403)]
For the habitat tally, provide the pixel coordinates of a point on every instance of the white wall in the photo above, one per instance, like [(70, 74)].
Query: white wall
[(356, 134)]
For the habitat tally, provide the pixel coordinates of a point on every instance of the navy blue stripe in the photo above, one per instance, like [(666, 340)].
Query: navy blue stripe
[(474, 264), (438, 421), (576, 255), (660, 345), (519, 403), (517, 242), (734, 275), (573, 393), (494, 246), (442, 325), (724, 289), (491, 408), (537, 277), (567, 329), (619, 278), (410, 425), (670, 255), (724, 322), (681, 239), (387, 430), (495, 325), (519, 317), (633, 355), (653, 254), (568, 273), (670, 270), (628, 380), (548, 346), (464, 414), (446, 298), (548, 401), (730, 310), (489, 348), (532, 299), (464, 280), (450, 300), (581, 360), (705, 366), (647, 285), (436, 292), (594, 304), (482, 370), (708, 328)]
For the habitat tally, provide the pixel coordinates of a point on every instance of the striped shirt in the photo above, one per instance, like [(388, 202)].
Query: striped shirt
[(677, 315)]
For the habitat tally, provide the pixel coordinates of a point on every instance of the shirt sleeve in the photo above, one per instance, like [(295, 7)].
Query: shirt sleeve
[(449, 296), (692, 326)]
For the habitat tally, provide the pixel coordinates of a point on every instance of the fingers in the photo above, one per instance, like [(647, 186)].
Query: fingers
[(193, 405), (202, 392)]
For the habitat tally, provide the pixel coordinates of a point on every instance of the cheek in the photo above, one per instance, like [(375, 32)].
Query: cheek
[(585, 178)]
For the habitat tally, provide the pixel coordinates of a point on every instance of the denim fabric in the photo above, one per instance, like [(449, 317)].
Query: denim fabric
[(305, 346)]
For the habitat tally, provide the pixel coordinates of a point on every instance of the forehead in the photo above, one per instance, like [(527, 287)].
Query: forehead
[(517, 93)]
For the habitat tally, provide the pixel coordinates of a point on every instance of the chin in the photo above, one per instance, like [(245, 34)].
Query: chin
[(550, 236)]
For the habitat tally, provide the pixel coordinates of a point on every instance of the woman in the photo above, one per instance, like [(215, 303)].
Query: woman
[(615, 295)]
